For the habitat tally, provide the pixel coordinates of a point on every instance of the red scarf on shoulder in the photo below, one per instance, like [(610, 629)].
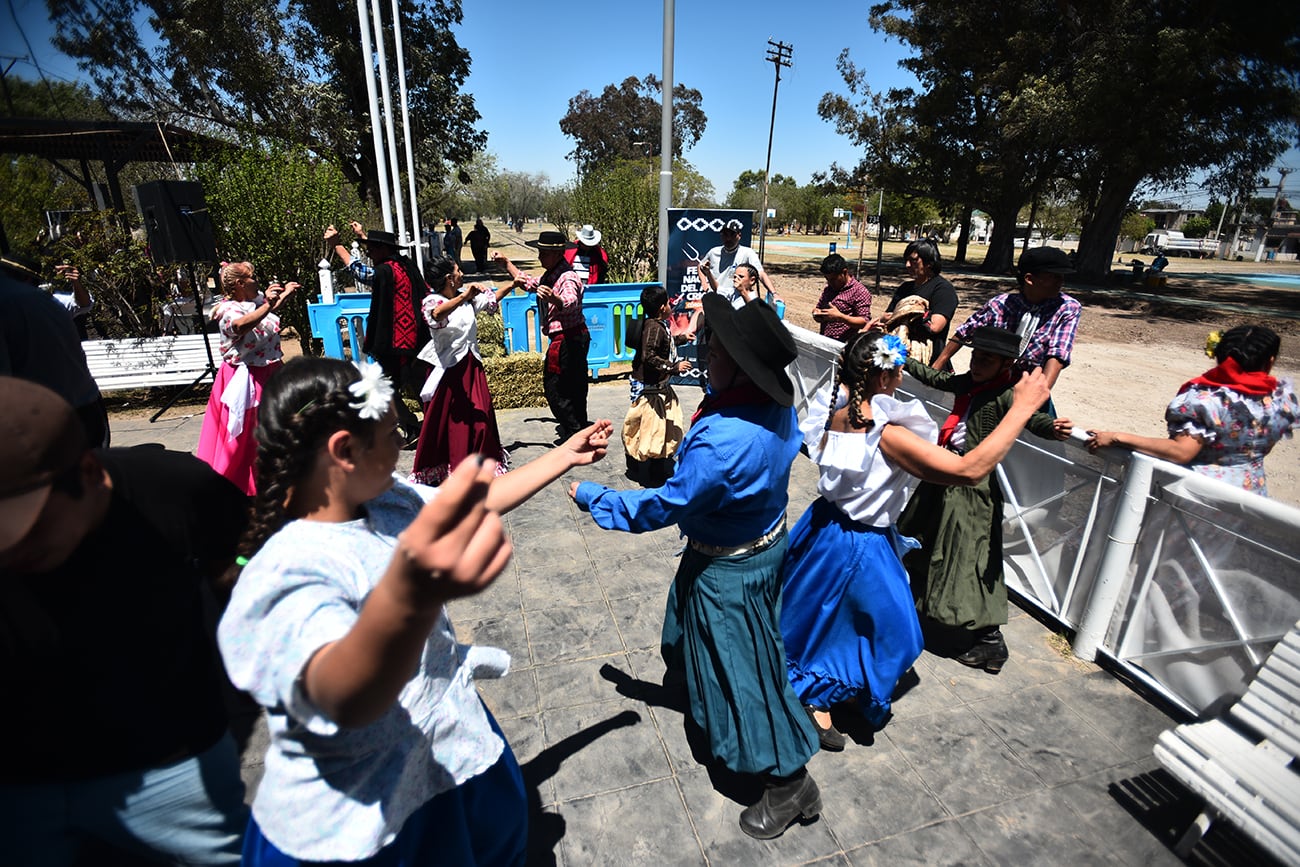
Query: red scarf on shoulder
[(1228, 374), (961, 405)]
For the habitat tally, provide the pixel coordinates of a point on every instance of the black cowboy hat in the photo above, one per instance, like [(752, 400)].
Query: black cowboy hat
[(994, 340), (549, 241), (757, 341), (388, 239)]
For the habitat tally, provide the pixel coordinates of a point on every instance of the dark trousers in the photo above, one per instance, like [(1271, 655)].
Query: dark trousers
[(566, 391), (407, 375)]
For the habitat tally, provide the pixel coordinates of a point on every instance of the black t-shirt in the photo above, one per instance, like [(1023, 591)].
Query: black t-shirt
[(105, 662), (943, 302)]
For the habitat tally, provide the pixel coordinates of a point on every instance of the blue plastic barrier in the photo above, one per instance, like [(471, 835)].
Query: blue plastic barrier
[(607, 308)]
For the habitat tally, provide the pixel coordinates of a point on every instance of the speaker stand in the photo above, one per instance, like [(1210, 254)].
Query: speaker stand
[(201, 323)]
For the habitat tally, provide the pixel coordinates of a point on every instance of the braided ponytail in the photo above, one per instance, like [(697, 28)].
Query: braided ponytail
[(1251, 346), (302, 406), (858, 363)]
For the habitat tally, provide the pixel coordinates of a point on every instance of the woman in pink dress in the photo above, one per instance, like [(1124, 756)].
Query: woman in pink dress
[(250, 355), (458, 417)]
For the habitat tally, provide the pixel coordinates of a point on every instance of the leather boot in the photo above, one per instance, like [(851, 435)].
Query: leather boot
[(989, 652), (784, 800)]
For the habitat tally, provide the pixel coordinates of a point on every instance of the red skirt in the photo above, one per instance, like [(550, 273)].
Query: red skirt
[(458, 422)]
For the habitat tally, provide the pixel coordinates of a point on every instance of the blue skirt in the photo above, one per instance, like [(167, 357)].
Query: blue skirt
[(722, 631), (848, 618), (484, 821)]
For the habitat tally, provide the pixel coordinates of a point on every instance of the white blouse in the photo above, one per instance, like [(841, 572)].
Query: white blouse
[(855, 475), (451, 336)]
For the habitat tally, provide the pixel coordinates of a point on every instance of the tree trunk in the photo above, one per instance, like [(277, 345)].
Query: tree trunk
[(1002, 247), (963, 235), (1097, 243)]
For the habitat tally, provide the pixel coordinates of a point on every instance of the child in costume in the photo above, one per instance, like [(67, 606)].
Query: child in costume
[(652, 430)]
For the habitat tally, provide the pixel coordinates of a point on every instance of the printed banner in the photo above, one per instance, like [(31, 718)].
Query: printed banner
[(692, 232)]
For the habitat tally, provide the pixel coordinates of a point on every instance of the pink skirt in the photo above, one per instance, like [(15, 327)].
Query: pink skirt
[(458, 422), (233, 457)]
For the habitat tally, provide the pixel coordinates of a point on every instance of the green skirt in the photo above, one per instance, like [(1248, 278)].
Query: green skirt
[(956, 574), (722, 631)]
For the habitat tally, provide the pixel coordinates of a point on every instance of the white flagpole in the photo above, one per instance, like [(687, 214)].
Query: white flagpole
[(381, 163)]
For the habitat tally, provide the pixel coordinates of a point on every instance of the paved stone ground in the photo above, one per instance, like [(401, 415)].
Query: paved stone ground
[(1048, 762)]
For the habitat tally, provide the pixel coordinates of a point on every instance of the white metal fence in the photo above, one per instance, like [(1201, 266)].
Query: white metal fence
[(1183, 581)]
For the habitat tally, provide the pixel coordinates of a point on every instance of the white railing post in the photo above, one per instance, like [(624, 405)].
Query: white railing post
[(326, 279), (1112, 571)]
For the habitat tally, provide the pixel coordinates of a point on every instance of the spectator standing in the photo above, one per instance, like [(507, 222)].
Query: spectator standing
[(844, 308), (718, 266), (452, 240), (559, 299), (923, 264), (250, 356), (1044, 318), (116, 723), (587, 258), (479, 237), (74, 296), (395, 327)]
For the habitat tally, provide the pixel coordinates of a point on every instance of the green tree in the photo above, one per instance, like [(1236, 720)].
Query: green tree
[(1136, 226), (1197, 227), (623, 200), (623, 122), (262, 69), (1055, 100), (269, 205)]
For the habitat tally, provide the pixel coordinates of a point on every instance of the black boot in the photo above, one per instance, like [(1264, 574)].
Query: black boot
[(989, 652), (784, 800)]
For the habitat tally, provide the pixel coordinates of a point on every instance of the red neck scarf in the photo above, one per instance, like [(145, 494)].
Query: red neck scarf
[(961, 406), (738, 395), (1228, 374)]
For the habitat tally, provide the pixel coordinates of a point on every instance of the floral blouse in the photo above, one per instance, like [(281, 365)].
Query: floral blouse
[(1238, 430), (259, 346)]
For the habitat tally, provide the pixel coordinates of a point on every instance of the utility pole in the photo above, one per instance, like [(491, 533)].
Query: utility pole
[(1259, 253), (779, 54)]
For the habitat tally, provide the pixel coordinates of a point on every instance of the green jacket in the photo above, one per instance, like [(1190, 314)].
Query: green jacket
[(987, 408)]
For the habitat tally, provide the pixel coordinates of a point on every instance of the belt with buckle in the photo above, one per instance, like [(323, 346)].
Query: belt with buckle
[(737, 550)]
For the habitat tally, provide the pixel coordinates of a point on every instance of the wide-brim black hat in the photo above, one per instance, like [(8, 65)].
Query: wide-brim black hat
[(1045, 260), (998, 341), (757, 340), (549, 241), (388, 239)]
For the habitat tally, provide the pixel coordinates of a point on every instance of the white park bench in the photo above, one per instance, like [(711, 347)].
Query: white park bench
[(1243, 764), (150, 362)]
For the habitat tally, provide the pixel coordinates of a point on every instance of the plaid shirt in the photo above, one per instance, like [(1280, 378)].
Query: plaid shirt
[(1058, 322), (567, 315), (854, 299), (361, 272)]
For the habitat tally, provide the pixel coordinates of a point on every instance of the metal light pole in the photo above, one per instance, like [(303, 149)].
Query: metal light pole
[(779, 53), (666, 140)]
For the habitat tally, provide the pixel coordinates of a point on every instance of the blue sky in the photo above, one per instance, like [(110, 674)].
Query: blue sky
[(527, 61)]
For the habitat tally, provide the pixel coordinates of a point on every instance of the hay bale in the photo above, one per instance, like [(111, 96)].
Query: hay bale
[(491, 335), (515, 380)]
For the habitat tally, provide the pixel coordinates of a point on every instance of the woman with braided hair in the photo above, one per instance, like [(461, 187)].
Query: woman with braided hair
[(381, 750), (250, 356), (1223, 422), (848, 619)]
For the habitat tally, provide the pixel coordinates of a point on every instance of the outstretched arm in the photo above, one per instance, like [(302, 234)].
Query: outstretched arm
[(1178, 449), (585, 447), (930, 463)]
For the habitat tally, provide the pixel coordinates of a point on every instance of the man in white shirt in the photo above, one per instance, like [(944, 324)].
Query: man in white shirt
[(718, 266)]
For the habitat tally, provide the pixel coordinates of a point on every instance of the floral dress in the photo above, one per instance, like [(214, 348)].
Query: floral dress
[(1237, 429)]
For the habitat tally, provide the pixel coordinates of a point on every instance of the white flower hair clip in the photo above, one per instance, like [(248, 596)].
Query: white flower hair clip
[(373, 390), (888, 352)]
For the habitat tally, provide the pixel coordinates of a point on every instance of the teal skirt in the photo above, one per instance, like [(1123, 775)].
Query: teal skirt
[(722, 632)]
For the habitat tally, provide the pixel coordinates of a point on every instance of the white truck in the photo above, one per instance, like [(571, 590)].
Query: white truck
[(1174, 244)]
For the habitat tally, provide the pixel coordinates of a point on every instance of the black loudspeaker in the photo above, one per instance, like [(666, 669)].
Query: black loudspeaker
[(176, 219)]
